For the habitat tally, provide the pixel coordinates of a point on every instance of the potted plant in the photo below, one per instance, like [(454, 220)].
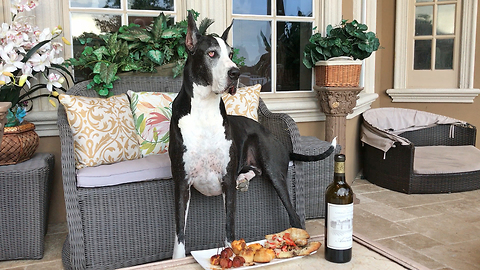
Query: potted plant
[(341, 50), (29, 62), (157, 48)]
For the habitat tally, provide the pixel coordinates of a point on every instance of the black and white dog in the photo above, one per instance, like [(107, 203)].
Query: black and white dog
[(214, 152)]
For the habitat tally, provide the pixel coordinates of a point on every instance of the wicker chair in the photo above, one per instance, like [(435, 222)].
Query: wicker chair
[(391, 155), (129, 224)]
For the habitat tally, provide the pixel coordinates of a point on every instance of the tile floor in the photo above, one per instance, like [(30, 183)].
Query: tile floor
[(439, 231)]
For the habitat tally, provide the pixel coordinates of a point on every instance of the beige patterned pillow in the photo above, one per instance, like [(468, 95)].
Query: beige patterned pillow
[(103, 129), (244, 102)]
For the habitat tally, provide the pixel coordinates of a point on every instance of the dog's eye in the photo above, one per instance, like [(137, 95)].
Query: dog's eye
[(230, 55), (211, 53)]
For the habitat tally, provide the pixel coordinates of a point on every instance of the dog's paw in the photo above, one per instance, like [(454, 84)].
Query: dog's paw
[(242, 184), (243, 180)]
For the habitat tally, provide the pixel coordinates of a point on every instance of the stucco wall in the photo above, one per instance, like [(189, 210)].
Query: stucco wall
[(57, 212)]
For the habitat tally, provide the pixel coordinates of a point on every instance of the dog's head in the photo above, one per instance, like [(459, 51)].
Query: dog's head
[(210, 66)]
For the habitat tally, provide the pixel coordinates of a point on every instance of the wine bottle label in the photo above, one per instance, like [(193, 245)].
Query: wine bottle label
[(339, 226)]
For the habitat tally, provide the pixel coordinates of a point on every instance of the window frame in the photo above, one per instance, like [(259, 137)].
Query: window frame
[(121, 11), (303, 106), (464, 93), (274, 19)]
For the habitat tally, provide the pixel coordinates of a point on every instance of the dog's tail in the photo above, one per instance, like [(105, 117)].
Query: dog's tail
[(306, 158)]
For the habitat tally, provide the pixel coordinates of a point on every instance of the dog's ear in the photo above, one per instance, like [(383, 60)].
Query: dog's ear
[(225, 33), (192, 33)]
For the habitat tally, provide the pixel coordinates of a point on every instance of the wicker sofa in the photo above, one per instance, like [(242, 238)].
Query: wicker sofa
[(413, 151), (129, 224)]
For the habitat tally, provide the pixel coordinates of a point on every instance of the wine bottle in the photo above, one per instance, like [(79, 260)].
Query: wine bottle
[(339, 216)]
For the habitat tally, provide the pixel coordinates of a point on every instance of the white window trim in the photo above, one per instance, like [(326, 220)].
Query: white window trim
[(304, 106), (301, 106), (465, 93)]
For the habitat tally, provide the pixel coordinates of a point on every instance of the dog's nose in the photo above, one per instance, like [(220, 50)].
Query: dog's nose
[(234, 73)]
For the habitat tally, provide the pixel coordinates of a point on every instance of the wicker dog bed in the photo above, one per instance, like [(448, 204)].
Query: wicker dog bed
[(419, 152)]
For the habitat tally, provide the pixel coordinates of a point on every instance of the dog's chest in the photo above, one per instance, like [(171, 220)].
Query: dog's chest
[(207, 150)]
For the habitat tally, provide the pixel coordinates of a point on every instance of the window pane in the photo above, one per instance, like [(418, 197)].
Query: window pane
[(165, 5), (254, 7), (140, 20), (444, 54), (301, 8), (94, 23), (82, 27), (446, 20), (423, 20), (423, 54), (95, 3), (253, 39), (422, 1), (291, 73), (145, 21)]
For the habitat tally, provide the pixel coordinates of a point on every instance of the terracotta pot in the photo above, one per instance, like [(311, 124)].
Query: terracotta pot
[(4, 106), (18, 144)]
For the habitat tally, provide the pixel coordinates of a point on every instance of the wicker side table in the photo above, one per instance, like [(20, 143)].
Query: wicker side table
[(24, 200)]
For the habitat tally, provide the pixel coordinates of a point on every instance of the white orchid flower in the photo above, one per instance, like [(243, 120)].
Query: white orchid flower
[(53, 59), (57, 47), (4, 30), (45, 35), (54, 80), (39, 62), (26, 72), (7, 64), (11, 58), (23, 5), (18, 39), (4, 78)]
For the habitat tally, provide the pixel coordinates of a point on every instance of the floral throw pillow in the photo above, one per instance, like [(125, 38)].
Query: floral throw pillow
[(152, 112), (244, 102), (103, 129)]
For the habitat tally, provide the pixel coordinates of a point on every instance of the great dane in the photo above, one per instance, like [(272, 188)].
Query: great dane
[(214, 152)]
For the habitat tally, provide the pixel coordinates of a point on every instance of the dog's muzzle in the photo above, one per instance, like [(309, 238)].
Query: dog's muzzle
[(233, 75)]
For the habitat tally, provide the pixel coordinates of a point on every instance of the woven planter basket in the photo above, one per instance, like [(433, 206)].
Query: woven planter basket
[(4, 106), (338, 73), (18, 144)]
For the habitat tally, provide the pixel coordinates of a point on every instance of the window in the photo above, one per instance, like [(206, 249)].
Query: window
[(434, 32), (270, 35), (102, 16), (434, 51)]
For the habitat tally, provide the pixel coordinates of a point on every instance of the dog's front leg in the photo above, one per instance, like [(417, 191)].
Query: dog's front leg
[(182, 201), (230, 199)]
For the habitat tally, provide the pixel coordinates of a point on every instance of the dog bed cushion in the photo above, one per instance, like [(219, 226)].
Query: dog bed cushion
[(147, 168), (382, 126), (446, 159), (152, 112), (244, 102), (103, 129)]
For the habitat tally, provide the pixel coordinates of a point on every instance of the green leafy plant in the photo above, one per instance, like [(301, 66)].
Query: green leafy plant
[(133, 48), (347, 39)]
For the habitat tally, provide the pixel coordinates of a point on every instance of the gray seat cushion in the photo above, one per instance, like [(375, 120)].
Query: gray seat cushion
[(446, 159), (147, 168)]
